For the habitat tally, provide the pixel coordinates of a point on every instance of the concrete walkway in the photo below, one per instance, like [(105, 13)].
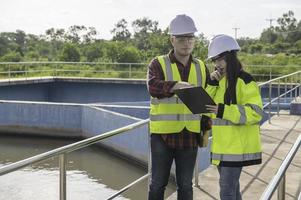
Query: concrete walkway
[(277, 139)]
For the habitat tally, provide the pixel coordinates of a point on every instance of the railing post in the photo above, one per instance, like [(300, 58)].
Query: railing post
[(296, 88), (281, 189), (149, 167), (26, 72), (9, 72), (130, 70), (278, 107), (270, 99), (55, 73), (196, 171), (270, 72), (300, 83), (62, 160), (291, 88), (285, 90)]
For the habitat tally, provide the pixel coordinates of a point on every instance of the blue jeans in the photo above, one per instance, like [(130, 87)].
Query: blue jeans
[(162, 158), (229, 182)]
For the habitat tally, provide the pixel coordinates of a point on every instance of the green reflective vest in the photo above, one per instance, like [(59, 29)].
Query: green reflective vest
[(235, 134), (170, 115)]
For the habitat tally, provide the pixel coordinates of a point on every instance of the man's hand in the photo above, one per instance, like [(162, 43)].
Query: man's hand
[(180, 85)]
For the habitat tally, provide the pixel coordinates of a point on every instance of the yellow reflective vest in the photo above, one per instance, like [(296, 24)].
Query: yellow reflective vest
[(235, 129), (170, 115)]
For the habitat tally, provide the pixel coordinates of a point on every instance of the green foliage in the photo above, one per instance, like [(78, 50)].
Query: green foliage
[(70, 53), (93, 52), (11, 57)]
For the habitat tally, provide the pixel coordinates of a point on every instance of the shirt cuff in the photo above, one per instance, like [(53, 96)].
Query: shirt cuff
[(220, 111)]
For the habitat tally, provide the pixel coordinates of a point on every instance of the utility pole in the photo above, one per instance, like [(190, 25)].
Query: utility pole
[(270, 20), (235, 28)]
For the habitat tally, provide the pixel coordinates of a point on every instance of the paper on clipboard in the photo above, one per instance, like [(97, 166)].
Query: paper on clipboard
[(195, 98)]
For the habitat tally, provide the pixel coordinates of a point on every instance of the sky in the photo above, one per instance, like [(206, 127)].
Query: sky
[(211, 17)]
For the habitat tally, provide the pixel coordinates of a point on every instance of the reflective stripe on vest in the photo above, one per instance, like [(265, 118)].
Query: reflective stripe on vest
[(171, 100), (222, 122), (198, 71), (257, 109), (169, 76), (175, 117), (243, 117), (236, 158)]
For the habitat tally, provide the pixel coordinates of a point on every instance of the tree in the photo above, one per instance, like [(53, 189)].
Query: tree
[(120, 32), (201, 47), (93, 52), (74, 33), (11, 57), (268, 35), (90, 35), (70, 53), (143, 28), (128, 54), (55, 34), (289, 27)]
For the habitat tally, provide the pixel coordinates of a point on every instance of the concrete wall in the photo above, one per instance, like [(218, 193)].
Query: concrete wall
[(46, 119)]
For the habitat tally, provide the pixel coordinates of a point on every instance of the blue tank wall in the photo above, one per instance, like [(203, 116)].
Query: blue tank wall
[(79, 91), (97, 92), (25, 92), (92, 91)]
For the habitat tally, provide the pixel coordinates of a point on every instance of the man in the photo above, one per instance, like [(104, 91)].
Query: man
[(174, 129)]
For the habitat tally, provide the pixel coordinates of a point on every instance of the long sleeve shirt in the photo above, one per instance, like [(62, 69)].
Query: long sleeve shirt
[(159, 88)]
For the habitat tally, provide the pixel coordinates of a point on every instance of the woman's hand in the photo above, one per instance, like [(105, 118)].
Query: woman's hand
[(212, 108), (216, 75)]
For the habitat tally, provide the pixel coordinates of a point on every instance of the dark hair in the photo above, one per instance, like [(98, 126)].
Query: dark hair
[(233, 69)]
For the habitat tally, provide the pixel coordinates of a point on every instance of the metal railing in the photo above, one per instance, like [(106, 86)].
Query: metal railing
[(295, 83), (62, 153), (84, 69), (279, 179), (103, 69)]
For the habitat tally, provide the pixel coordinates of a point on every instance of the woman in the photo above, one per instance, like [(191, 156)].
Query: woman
[(235, 117)]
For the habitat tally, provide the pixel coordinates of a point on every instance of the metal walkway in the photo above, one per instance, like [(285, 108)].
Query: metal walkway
[(277, 139)]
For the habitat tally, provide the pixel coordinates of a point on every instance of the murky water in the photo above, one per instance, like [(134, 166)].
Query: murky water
[(92, 172)]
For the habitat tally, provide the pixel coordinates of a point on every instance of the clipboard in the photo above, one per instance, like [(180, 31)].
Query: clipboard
[(195, 98)]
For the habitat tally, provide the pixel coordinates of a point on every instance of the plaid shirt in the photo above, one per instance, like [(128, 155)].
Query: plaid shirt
[(159, 88)]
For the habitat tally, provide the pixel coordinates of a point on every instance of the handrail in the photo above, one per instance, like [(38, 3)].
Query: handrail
[(278, 78), (54, 65), (128, 186), (68, 148), (298, 85), (281, 173)]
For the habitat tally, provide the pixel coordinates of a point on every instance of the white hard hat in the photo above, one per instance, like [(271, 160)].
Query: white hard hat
[(181, 25), (220, 44)]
